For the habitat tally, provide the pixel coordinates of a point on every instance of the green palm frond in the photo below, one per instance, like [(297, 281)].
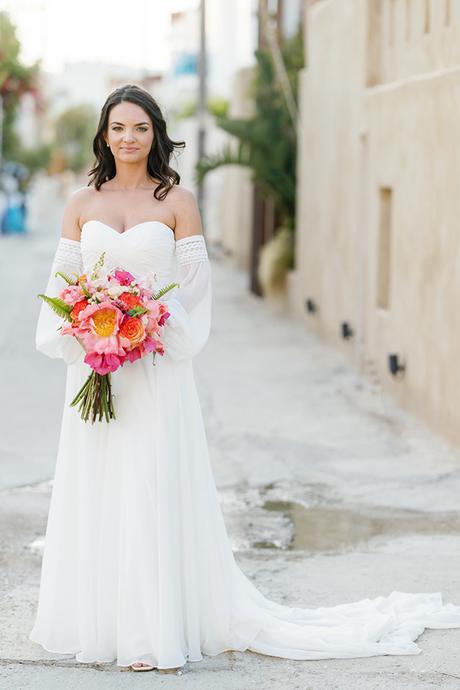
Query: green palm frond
[(60, 307), (164, 290), (67, 278), (228, 156), (266, 142)]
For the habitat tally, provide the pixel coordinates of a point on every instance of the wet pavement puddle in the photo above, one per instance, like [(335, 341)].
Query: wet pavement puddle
[(320, 528), (300, 518)]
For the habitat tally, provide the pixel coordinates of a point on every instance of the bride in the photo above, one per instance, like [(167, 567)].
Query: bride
[(137, 566)]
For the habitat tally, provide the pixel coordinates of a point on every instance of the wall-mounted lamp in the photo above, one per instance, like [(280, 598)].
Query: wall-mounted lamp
[(395, 366), (310, 306), (346, 330)]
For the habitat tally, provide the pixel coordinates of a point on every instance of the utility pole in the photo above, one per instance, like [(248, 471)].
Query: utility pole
[(202, 100)]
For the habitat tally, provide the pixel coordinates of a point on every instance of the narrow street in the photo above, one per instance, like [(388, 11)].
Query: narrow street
[(330, 493)]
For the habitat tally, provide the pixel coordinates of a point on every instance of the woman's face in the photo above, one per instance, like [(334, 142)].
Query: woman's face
[(129, 132)]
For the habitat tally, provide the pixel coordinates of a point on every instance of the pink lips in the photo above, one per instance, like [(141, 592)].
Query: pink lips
[(128, 148)]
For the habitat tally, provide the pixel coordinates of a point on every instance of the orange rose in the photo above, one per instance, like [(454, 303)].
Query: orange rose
[(133, 329), (129, 300)]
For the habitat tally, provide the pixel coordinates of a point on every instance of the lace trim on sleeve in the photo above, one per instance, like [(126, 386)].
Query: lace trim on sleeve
[(68, 252), (191, 249)]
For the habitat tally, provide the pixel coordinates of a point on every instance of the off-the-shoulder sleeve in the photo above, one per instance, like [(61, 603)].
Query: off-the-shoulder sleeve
[(48, 339), (188, 327)]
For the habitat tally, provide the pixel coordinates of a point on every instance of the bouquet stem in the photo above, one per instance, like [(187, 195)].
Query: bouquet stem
[(94, 399)]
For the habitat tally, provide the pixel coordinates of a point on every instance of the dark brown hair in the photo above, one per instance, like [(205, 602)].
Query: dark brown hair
[(158, 159)]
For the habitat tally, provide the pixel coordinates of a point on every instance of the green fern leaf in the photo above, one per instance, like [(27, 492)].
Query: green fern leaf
[(137, 311), (164, 290), (67, 278), (85, 290), (60, 307)]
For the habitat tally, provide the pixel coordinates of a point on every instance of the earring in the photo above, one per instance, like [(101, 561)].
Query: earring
[(108, 144)]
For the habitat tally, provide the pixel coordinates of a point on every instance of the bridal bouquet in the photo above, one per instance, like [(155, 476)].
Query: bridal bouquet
[(116, 318)]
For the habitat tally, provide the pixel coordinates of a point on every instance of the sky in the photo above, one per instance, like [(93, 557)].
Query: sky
[(121, 32)]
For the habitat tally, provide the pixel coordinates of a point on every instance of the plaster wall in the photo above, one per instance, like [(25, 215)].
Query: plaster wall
[(378, 198)]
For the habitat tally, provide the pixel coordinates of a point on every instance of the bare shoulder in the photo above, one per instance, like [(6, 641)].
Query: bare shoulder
[(186, 212), (73, 211)]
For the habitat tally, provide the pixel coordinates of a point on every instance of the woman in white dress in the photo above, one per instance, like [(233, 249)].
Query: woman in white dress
[(137, 566)]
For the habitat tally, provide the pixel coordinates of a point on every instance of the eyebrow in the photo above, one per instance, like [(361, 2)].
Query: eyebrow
[(121, 123)]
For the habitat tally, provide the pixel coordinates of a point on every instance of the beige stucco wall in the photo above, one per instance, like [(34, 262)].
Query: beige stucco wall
[(423, 322), (400, 132), (417, 36), (331, 112)]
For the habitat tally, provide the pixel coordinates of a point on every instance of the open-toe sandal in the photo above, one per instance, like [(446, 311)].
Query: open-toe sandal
[(144, 667)]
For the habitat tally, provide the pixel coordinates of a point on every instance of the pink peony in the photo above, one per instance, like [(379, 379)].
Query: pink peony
[(98, 328), (163, 317), (134, 354), (123, 277), (103, 319), (153, 345), (71, 294), (103, 363), (103, 346)]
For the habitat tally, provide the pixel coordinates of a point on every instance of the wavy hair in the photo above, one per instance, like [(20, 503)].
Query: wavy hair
[(160, 153)]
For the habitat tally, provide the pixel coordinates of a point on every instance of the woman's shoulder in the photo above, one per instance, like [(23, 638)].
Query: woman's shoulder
[(74, 209), (79, 197), (186, 212), (82, 194), (181, 194), (183, 199)]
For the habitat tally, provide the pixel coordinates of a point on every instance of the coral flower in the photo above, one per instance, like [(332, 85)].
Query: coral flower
[(129, 300), (78, 307), (133, 330), (98, 326), (103, 319)]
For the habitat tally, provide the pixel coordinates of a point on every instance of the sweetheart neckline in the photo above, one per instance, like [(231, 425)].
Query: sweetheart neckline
[(133, 227)]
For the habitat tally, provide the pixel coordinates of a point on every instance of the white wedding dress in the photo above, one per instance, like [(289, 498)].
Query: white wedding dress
[(137, 563)]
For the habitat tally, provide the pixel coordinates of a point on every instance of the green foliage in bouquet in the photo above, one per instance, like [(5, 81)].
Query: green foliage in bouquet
[(137, 311), (99, 264), (164, 290), (95, 399), (58, 305), (67, 278)]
